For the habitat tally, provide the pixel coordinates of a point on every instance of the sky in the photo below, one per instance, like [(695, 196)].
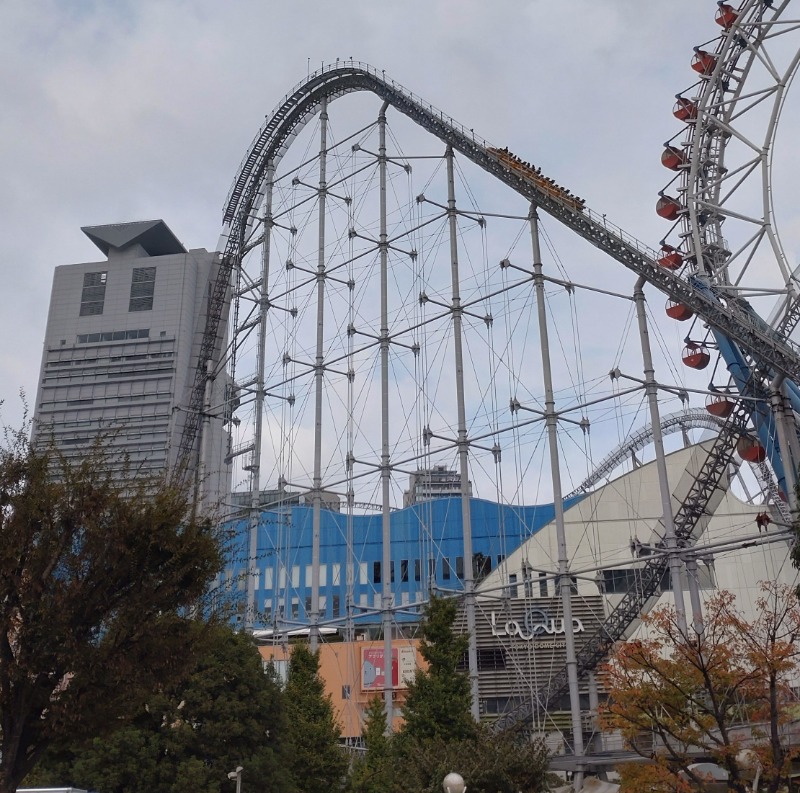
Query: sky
[(125, 110)]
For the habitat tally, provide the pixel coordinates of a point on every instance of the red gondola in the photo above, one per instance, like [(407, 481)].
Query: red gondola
[(751, 450), (703, 62), (670, 258), (678, 311), (726, 16), (685, 109), (695, 356), (668, 207), (720, 405), (673, 158)]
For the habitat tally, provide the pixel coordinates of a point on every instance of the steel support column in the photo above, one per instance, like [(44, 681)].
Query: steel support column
[(651, 389), (386, 472), (319, 371), (255, 464), (564, 579), (463, 442)]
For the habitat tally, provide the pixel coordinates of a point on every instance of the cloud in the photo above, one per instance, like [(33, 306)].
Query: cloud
[(129, 110)]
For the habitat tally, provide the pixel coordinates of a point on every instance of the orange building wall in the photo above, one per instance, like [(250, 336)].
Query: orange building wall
[(341, 666)]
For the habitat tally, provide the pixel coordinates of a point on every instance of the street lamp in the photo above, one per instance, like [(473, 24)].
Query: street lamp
[(237, 775), (454, 783)]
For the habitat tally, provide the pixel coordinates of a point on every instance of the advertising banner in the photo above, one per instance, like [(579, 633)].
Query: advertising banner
[(373, 669)]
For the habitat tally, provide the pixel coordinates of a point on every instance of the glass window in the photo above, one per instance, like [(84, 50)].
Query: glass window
[(391, 572), (94, 293), (308, 605), (512, 585), (445, 569), (143, 284), (460, 567), (417, 570), (336, 605), (481, 565), (376, 572), (527, 577), (543, 584), (404, 571)]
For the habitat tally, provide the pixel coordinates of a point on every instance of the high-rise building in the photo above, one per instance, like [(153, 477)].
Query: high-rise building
[(429, 483), (121, 349)]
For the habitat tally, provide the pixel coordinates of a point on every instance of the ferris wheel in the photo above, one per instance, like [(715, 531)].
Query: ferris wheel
[(721, 202)]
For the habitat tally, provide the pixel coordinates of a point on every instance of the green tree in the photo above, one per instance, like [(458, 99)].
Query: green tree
[(439, 734), (226, 712), (438, 701), (504, 763), (94, 578), (372, 773), (318, 763)]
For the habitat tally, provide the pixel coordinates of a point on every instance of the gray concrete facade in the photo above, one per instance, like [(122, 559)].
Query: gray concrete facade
[(121, 348)]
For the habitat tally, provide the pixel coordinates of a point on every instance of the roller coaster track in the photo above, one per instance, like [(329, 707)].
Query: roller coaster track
[(282, 126), (754, 337), (674, 422)]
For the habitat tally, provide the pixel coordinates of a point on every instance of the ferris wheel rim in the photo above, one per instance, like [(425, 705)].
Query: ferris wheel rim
[(715, 112)]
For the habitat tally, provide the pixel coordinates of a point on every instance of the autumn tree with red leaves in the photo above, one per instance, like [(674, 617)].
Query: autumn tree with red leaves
[(674, 697)]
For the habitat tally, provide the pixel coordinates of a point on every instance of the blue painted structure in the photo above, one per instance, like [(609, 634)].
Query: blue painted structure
[(427, 552), (739, 369)]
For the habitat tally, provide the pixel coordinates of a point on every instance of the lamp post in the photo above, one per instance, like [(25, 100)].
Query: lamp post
[(454, 783), (237, 775)]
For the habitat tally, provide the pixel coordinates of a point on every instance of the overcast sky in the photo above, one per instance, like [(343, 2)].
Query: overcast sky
[(135, 109)]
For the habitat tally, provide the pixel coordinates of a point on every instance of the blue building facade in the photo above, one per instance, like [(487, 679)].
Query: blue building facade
[(427, 554)]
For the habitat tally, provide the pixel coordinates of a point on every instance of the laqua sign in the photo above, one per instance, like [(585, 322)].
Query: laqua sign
[(536, 624)]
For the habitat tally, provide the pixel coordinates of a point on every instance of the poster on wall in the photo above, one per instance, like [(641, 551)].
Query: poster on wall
[(404, 665)]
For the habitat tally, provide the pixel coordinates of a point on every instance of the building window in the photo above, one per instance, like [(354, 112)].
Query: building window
[(543, 584), (94, 294), (431, 569), (445, 569), (336, 606), (295, 609), (391, 571), (404, 571), (417, 570), (481, 566), (308, 605), (460, 567), (527, 578), (143, 284), (512, 585), (345, 692), (376, 572)]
